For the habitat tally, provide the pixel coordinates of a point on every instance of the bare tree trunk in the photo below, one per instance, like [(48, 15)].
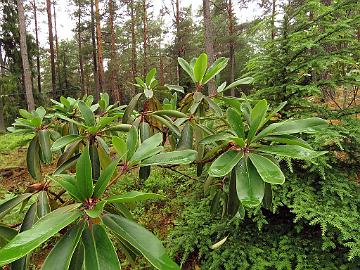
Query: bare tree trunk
[(2, 73), (51, 42), (133, 47), (145, 36), (273, 14), (24, 58), (231, 43), (114, 89), (209, 46), (57, 50), (81, 60), (37, 48), (99, 46), (94, 55), (178, 39)]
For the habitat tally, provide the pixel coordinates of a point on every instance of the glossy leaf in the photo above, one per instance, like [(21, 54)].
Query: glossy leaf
[(33, 159), (171, 113), (200, 67), (120, 147), (132, 142), (44, 141), (84, 182), (292, 151), (187, 68), (67, 164), (104, 179), (147, 147), (86, 113), (68, 183), (268, 170), (174, 129), (170, 158), (215, 68), (6, 234), (60, 256), (25, 242), (186, 139), (43, 206), (140, 238), (242, 81), (235, 121), (309, 125), (63, 141), (133, 196), (7, 206), (100, 253), (130, 108), (249, 185), (225, 163), (257, 116)]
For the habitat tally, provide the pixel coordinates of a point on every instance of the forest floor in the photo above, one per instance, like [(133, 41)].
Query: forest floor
[(157, 216)]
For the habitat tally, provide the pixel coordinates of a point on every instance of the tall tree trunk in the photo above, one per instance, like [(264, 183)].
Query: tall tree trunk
[(145, 36), (81, 60), (99, 46), (24, 58), (94, 55), (57, 50), (180, 48), (2, 73), (51, 42), (231, 43), (37, 48), (114, 90), (209, 46), (273, 14), (133, 47)]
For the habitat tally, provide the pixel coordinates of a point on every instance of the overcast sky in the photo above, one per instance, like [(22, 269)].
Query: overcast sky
[(66, 22)]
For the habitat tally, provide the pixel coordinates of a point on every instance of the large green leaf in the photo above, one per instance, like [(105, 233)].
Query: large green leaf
[(132, 142), (257, 116), (71, 162), (100, 253), (44, 141), (219, 136), (86, 113), (133, 196), (268, 170), (150, 76), (120, 147), (242, 81), (169, 124), (292, 151), (147, 147), (170, 158), (225, 163), (60, 256), (33, 159), (104, 179), (249, 185), (63, 141), (68, 182), (6, 207), (289, 139), (130, 108), (171, 113), (6, 234), (45, 228), (43, 206), (187, 68), (309, 125), (186, 139), (215, 68), (140, 238), (84, 180), (235, 121), (200, 67)]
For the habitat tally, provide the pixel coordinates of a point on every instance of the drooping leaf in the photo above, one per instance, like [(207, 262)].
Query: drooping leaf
[(171, 113), (309, 125), (133, 196), (84, 180), (95, 161), (249, 185), (100, 253), (86, 113), (130, 108), (63, 141), (170, 158), (186, 139), (6, 234), (25, 242), (132, 142), (169, 124), (71, 162), (214, 106), (33, 159), (44, 141), (6, 207), (233, 202), (60, 256), (289, 139), (292, 151), (268, 170), (77, 259), (43, 206), (140, 238), (225, 163), (220, 136)]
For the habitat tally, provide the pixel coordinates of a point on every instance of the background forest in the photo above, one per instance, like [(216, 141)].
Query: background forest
[(304, 52)]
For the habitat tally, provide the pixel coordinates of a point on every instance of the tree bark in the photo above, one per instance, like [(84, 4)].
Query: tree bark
[(180, 48), (133, 47), (114, 89), (94, 55), (231, 43), (38, 69), (209, 46), (100, 50), (51, 42), (81, 60), (145, 36), (273, 14), (57, 51), (2, 73), (24, 58)]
